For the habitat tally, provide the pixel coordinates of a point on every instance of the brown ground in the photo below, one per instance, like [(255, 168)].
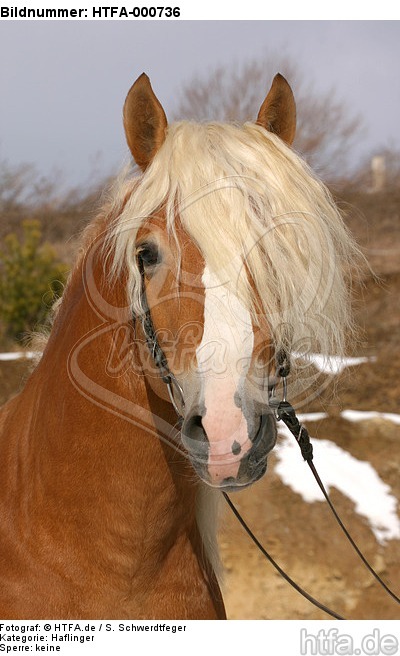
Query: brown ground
[(308, 544), (302, 537)]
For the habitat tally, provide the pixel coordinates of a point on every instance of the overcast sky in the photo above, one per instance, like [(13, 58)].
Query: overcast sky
[(63, 84)]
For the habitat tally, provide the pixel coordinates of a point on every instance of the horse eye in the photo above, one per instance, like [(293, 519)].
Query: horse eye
[(148, 254)]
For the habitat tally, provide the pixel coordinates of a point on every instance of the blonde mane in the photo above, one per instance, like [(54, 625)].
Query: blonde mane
[(246, 198)]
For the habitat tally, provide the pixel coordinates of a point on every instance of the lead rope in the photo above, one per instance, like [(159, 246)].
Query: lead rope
[(286, 413), (275, 564)]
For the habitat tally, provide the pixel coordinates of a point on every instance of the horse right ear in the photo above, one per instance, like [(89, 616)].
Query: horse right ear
[(278, 112), (145, 122)]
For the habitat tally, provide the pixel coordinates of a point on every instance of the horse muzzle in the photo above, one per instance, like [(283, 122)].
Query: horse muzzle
[(229, 462)]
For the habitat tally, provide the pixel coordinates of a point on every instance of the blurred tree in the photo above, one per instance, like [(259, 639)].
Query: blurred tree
[(326, 129), (62, 211), (30, 279), (14, 181)]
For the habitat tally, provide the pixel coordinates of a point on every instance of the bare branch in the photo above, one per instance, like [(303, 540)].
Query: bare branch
[(326, 128)]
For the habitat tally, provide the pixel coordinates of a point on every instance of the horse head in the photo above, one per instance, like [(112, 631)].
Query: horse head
[(220, 352), (222, 236)]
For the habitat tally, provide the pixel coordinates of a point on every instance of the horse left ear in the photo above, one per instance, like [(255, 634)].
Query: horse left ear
[(278, 112), (145, 122)]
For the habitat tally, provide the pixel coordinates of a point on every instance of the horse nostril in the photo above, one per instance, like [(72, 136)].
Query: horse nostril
[(194, 436), (197, 421), (193, 428)]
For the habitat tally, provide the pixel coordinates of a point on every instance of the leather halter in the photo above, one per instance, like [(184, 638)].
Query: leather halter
[(158, 355)]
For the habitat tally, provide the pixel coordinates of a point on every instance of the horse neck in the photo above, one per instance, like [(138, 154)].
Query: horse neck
[(94, 441)]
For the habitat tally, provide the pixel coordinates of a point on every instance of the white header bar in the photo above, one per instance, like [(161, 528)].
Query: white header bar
[(171, 10)]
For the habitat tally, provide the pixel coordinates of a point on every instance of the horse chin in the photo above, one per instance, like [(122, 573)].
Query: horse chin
[(232, 484)]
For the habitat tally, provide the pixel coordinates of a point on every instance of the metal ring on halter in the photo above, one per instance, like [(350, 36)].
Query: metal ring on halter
[(284, 384), (171, 383)]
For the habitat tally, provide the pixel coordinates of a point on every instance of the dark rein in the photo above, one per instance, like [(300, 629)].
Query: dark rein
[(284, 412)]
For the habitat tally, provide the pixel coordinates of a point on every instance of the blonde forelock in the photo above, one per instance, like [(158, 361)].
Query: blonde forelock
[(254, 208)]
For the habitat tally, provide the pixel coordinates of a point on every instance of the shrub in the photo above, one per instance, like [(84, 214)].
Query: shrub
[(31, 278)]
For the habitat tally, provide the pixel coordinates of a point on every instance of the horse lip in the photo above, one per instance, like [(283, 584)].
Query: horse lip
[(236, 487)]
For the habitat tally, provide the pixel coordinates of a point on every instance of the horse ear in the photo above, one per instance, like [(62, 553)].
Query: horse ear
[(145, 122), (278, 112)]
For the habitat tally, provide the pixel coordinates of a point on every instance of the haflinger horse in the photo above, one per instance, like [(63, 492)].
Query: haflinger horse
[(195, 282)]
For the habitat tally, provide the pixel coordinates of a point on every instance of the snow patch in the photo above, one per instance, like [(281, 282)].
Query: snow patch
[(18, 355), (332, 364), (356, 479), (365, 415)]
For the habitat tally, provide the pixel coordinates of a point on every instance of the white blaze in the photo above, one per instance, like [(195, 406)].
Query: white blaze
[(223, 357)]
